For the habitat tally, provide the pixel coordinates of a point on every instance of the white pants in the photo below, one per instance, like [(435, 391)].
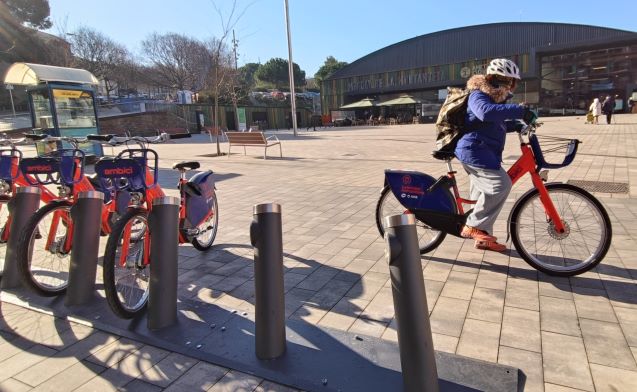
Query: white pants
[(490, 188)]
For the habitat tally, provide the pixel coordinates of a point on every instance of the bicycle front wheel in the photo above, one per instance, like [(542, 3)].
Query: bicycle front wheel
[(126, 276), (428, 238), (42, 255), (583, 244)]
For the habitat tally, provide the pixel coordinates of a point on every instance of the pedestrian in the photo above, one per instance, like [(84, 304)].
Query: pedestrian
[(607, 108), (480, 148), (596, 110), (630, 104)]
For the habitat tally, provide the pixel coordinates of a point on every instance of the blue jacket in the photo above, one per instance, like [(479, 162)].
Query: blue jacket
[(483, 143)]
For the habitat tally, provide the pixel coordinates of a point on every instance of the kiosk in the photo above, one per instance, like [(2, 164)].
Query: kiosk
[(61, 101)]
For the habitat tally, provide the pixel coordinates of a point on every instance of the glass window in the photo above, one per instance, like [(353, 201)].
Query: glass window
[(42, 109), (74, 109)]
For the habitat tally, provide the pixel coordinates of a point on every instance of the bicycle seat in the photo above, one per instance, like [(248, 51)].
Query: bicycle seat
[(186, 165), (444, 155)]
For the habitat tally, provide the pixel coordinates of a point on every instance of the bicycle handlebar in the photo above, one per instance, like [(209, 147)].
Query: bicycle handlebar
[(115, 140)]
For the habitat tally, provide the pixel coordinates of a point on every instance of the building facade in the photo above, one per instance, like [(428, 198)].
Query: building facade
[(563, 66)]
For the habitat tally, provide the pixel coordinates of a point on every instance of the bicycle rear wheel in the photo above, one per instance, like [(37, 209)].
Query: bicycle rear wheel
[(208, 229), (4, 229), (126, 278), (428, 238), (581, 247), (41, 256)]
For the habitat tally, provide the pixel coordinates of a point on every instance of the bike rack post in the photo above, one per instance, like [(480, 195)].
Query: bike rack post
[(25, 202), (163, 223), (267, 239), (86, 214), (410, 305)]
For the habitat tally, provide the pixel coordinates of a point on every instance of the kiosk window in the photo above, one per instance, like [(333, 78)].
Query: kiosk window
[(74, 109), (42, 109)]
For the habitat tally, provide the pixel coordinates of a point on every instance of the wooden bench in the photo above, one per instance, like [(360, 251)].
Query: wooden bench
[(257, 139)]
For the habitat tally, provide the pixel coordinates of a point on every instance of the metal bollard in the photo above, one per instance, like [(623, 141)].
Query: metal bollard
[(86, 214), (267, 239), (163, 223), (410, 304), (21, 207)]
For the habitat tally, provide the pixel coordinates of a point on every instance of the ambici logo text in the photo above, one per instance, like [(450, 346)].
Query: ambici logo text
[(118, 171), (39, 168)]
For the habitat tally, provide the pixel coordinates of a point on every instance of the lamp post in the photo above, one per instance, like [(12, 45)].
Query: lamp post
[(10, 88), (290, 68)]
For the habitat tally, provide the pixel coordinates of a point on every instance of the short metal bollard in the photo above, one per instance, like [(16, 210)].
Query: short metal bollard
[(86, 214), (163, 223), (267, 238), (417, 356), (25, 202)]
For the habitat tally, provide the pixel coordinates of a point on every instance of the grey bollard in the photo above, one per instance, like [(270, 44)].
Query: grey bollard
[(417, 356), (86, 214), (21, 207), (163, 223), (267, 239)]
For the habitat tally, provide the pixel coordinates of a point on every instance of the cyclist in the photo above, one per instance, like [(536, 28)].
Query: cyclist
[(480, 148)]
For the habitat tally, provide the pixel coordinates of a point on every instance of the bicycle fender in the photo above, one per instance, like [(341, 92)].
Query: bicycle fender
[(517, 202)]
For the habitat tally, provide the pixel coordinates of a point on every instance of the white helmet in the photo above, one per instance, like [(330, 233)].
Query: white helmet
[(503, 67)]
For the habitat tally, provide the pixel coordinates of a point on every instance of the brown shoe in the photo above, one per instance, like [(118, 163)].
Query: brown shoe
[(490, 245), (476, 234)]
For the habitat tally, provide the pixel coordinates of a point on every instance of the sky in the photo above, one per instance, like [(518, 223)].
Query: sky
[(345, 29)]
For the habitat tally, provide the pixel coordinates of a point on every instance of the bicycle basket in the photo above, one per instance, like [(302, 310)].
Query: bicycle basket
[(552, 148), (8, 169)]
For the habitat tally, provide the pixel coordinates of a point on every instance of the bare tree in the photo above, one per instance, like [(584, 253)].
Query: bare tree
[(220, 56), (181, 62), (99, 55)]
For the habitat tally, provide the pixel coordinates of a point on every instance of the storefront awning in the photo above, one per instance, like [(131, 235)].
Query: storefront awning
[(34, 74), (363, 103)]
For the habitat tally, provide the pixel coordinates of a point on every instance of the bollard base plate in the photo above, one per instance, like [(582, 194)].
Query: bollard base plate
[(317, 359)]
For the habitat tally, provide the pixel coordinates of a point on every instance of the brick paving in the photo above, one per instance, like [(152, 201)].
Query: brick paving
[(564, 333)]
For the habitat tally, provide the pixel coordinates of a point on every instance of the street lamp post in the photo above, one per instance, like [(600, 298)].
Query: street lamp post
[(290, 68), (10, 88)]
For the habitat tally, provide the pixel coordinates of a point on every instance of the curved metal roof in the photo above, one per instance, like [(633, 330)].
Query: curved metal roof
[(479, 42), (33, 74)]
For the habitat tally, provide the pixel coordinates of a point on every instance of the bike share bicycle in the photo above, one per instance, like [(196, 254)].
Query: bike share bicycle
[(45, 243), (557, 228), (134, 173)]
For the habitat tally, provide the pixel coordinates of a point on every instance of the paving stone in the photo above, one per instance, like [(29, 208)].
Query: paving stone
[(267, 386), (114, 352), (486, 305), (559, 315), (628, 322), (236, 381), (202, 376), (558, 388), (448, 316), (445, 343), (521, 329), (71, 378), (23, 360), (606, 345), (593, 304), (479, 340), (12, 385), (565, 362), (609, 379), (459, 285), (168, 369), (139, 386), (528, 362)]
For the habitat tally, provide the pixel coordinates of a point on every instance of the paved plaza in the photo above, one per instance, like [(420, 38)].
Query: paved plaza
[(564, 334)]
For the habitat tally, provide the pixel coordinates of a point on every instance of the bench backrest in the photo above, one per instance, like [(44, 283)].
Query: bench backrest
[(246, 137)]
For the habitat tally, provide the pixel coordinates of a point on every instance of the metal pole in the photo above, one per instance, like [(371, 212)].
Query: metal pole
[(290, 67), (86, 239), (21, 207), (410, 305), (267, 238), (11, 97), (163, 223)]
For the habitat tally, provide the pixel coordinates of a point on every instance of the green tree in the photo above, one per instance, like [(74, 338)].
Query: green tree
[(34, 13), (275, 71), (246, 75), (330, 66)]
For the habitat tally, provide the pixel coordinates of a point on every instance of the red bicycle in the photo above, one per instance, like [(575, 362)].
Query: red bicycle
[(45, 243), (127, 259), (557, 228)]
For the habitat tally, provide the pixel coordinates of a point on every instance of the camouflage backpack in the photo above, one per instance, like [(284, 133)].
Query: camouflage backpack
[(450, 122)]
